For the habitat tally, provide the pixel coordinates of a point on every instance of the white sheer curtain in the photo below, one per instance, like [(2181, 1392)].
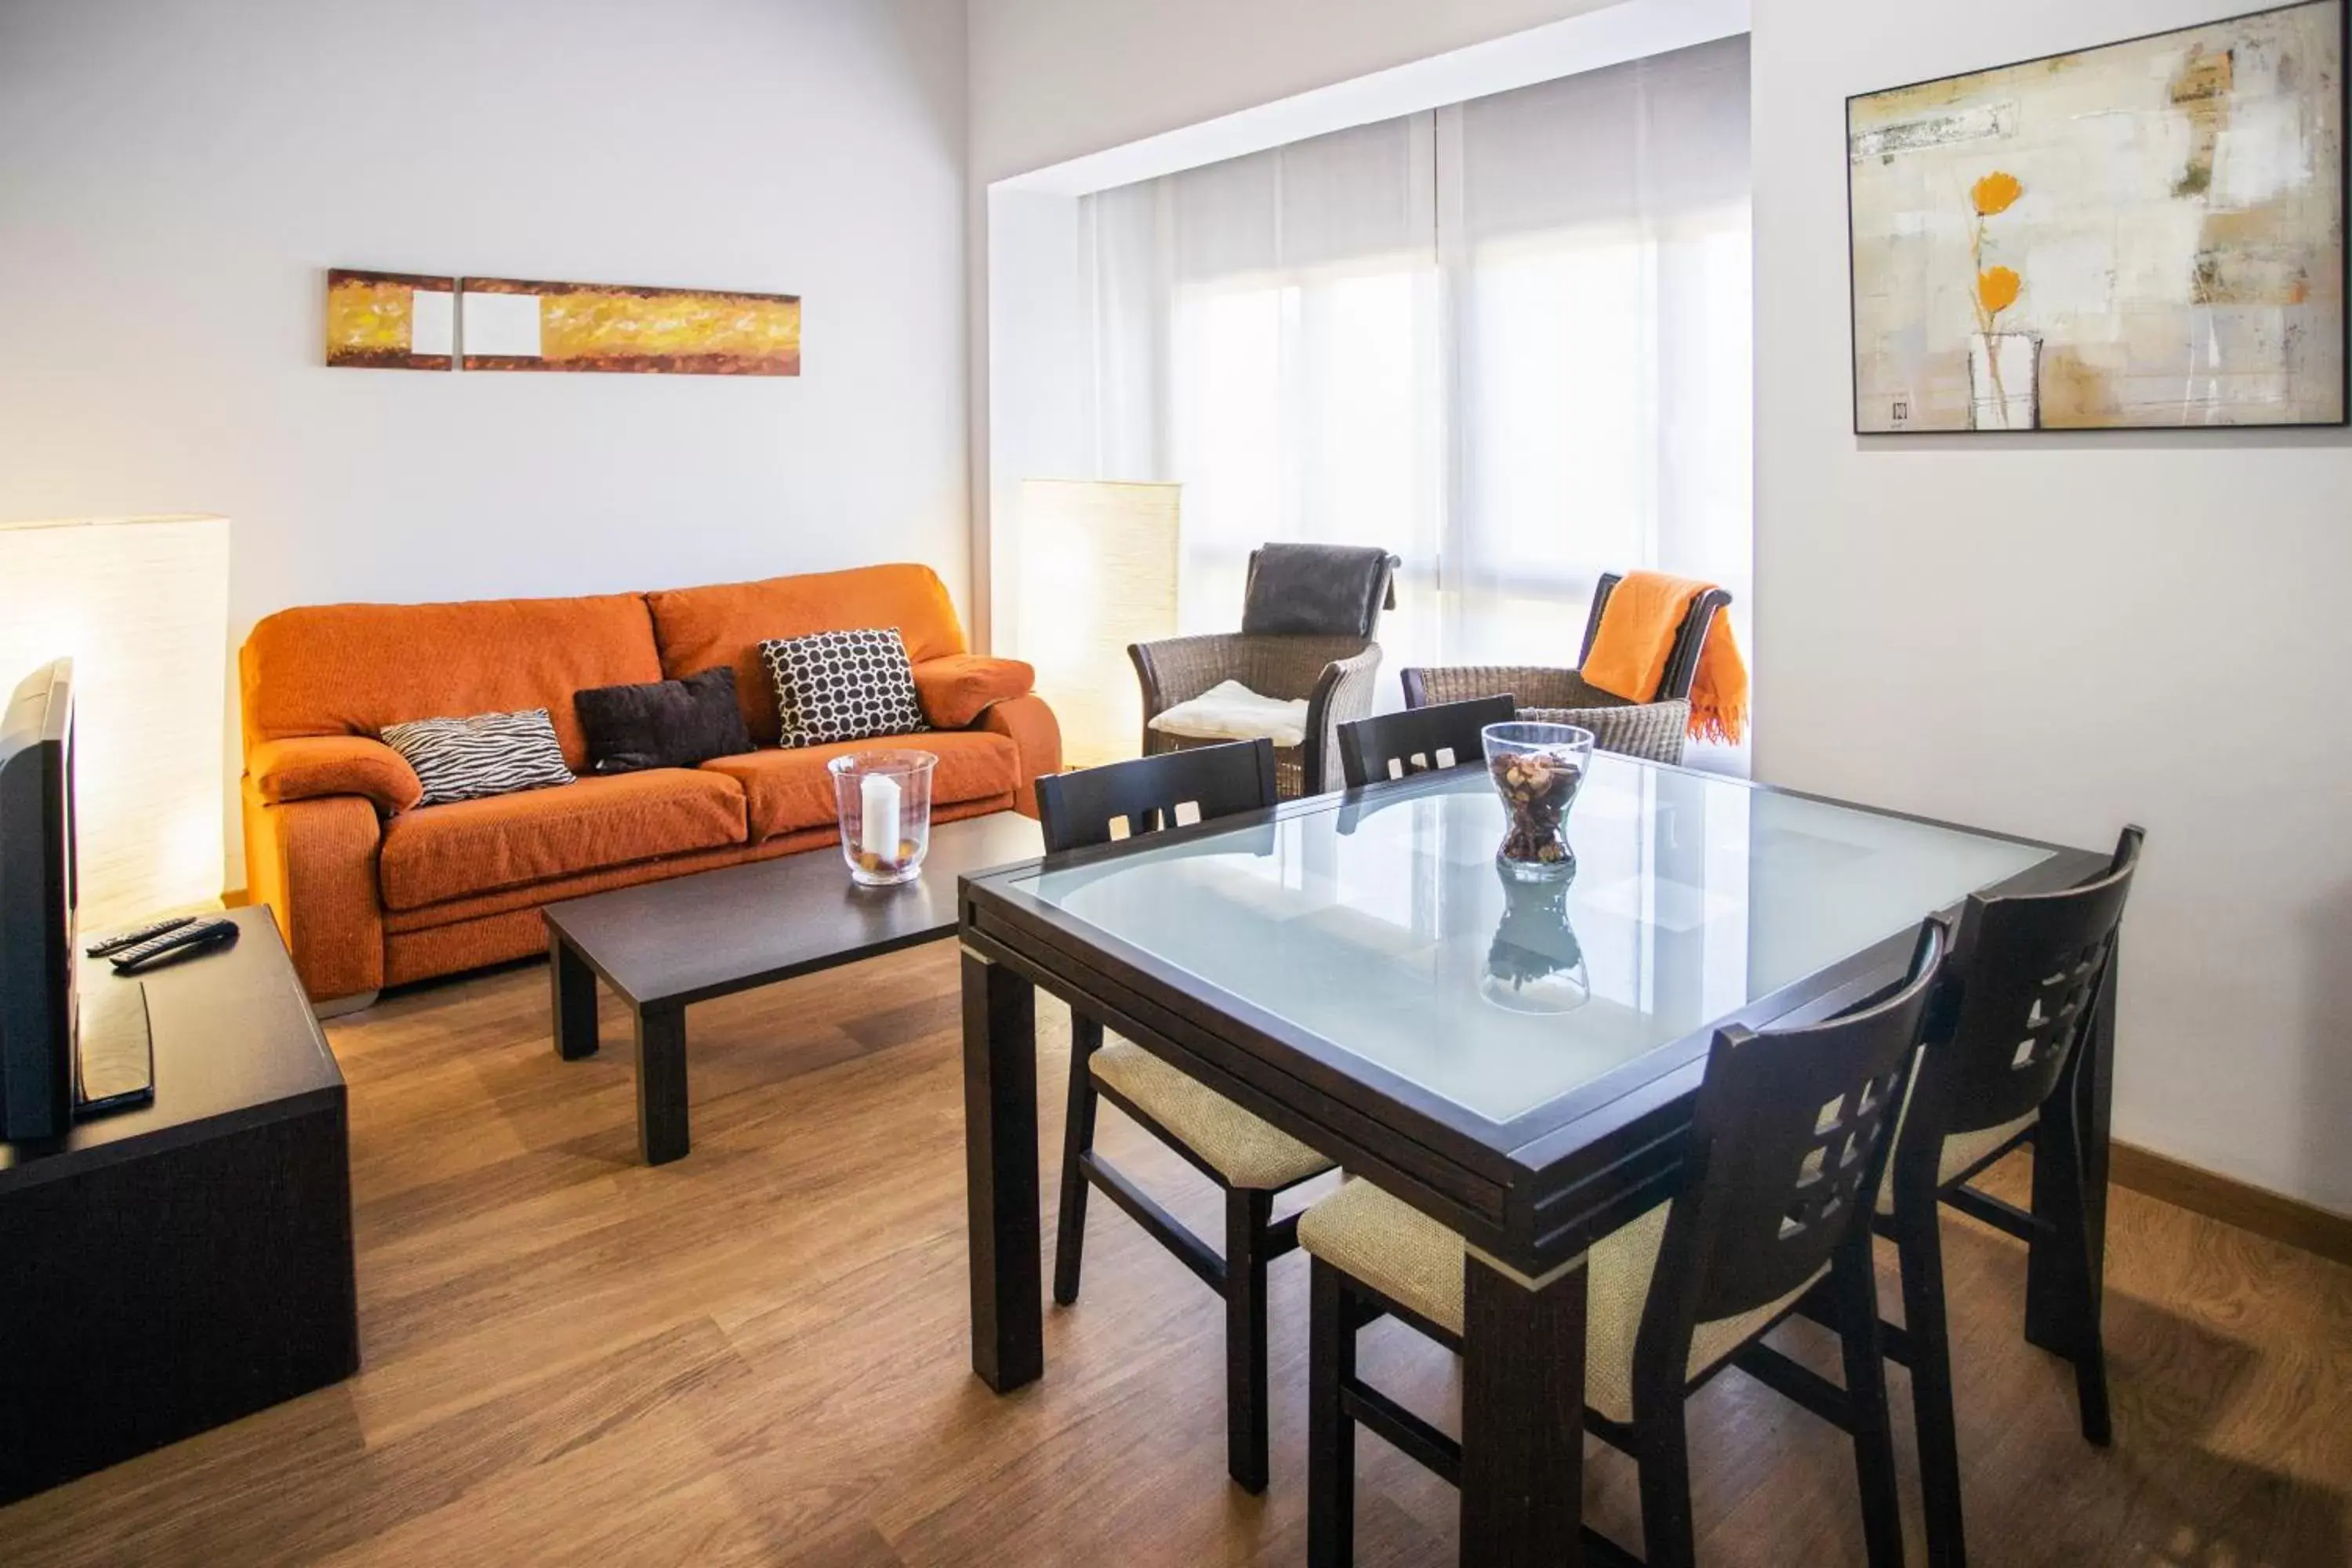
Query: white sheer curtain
[(1508, 340)]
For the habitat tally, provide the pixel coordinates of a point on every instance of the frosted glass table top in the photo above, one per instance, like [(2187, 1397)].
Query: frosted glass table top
[(1382, 926)]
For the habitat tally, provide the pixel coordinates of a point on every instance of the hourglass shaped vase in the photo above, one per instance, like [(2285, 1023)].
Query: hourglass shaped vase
[(1537, 769)]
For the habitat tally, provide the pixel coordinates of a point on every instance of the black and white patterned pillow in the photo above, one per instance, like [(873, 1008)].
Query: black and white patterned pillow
[(843, 686), (490, 753)]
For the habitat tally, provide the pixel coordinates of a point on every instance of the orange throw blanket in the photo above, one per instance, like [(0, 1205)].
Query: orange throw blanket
[(1637, 635)]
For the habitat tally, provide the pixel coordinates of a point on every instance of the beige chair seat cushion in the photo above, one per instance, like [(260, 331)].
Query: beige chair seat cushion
[(1961, 1149), (1246, 1150), (1416, 1262)]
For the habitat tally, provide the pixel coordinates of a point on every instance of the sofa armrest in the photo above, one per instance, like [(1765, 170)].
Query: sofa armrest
[(1034, 730), (313, 864), (956, 689), (311, 767)]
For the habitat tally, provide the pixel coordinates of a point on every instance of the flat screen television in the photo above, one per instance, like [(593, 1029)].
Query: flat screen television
[(38, 1011)]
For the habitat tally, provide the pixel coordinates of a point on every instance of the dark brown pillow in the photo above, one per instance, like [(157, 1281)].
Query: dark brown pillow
[(662, 725)]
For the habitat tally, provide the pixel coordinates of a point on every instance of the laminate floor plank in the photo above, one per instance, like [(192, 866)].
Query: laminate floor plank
[(758, 1355)]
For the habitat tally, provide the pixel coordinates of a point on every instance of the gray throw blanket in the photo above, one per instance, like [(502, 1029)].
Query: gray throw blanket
[(1315, 590)]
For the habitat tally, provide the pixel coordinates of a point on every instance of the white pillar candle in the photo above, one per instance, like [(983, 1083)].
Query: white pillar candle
[(878, 816)]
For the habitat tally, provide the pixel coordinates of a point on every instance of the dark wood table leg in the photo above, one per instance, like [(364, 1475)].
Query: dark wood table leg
[(1000, 1136), (1522, 1419), (2073, 1128), (661, 1084), (572, 988)]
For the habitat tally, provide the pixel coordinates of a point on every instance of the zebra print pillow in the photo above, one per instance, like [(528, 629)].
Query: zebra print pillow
[(490, 753)]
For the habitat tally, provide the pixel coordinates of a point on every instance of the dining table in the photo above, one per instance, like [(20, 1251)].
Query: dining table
[(1517, 1059)]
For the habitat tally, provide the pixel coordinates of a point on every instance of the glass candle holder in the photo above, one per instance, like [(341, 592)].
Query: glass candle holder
[(1537, 769), (885, 802)]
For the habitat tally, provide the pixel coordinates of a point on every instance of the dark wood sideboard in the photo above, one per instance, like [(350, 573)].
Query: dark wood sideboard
[(170, 1268)]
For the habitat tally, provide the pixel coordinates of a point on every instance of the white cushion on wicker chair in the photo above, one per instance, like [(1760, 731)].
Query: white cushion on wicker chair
[(1248, 1150), (1416, 1262), (1231, 712)]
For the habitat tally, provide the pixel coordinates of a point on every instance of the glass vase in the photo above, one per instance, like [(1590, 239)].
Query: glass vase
[(885, 802), (1537, 769)]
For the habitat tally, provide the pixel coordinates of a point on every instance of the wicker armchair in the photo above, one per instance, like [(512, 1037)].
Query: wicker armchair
[(1653, 730), (1332, 666)]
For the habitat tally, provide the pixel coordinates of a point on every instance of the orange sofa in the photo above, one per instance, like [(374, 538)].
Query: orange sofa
[(372, 890)]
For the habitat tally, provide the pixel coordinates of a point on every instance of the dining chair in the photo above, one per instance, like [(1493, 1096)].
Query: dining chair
[(1393, 745), (1654, 730), (2016, 1002), (1788, 1142), (1249, 1158), (1309, 613)]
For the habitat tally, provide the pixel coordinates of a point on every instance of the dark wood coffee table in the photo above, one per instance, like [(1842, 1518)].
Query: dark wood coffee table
[(664, 945)]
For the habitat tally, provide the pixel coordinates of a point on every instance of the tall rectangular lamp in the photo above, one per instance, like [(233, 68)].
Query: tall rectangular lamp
[(141, 604), (1097, 571)]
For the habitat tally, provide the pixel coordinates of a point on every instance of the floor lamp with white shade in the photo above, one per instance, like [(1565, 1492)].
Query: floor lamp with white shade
[(1098, 560), (141, 606)]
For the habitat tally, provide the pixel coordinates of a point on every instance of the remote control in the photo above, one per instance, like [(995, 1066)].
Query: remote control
[(132, 938), (174, 946)]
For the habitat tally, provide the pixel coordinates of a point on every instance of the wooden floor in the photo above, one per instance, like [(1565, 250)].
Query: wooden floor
[(758, 1355)]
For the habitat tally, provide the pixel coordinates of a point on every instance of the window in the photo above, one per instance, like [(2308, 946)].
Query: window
[(1507, 340)]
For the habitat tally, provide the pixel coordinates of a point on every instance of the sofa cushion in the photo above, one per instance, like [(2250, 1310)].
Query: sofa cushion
[(786, 791), (698, 627), (439, 852), (484, 754), (842, 686), (663, 724), (350, 670)]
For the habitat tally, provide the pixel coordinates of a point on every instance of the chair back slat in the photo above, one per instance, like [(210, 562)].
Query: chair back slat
[(2017, 998), (1789, 1141), (1396, 746), (1079, 810)]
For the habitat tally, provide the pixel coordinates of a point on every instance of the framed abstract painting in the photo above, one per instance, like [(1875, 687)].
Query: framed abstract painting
[(509, 324), (2146, 234), (390, 321)]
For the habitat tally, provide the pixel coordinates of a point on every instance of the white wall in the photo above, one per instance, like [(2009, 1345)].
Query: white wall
[(1035, 332), (176, 176), (2055, 633)]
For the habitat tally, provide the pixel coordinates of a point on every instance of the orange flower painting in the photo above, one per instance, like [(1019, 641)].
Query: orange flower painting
[(1995, 193), (1998, 289), (1997, 286), (2148, 234)]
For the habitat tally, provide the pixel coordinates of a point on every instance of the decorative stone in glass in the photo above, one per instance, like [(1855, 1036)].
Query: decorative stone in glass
[(885, 800), (1537, 769)]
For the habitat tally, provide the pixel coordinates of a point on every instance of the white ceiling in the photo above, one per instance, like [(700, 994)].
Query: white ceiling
[(1581, 43)]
